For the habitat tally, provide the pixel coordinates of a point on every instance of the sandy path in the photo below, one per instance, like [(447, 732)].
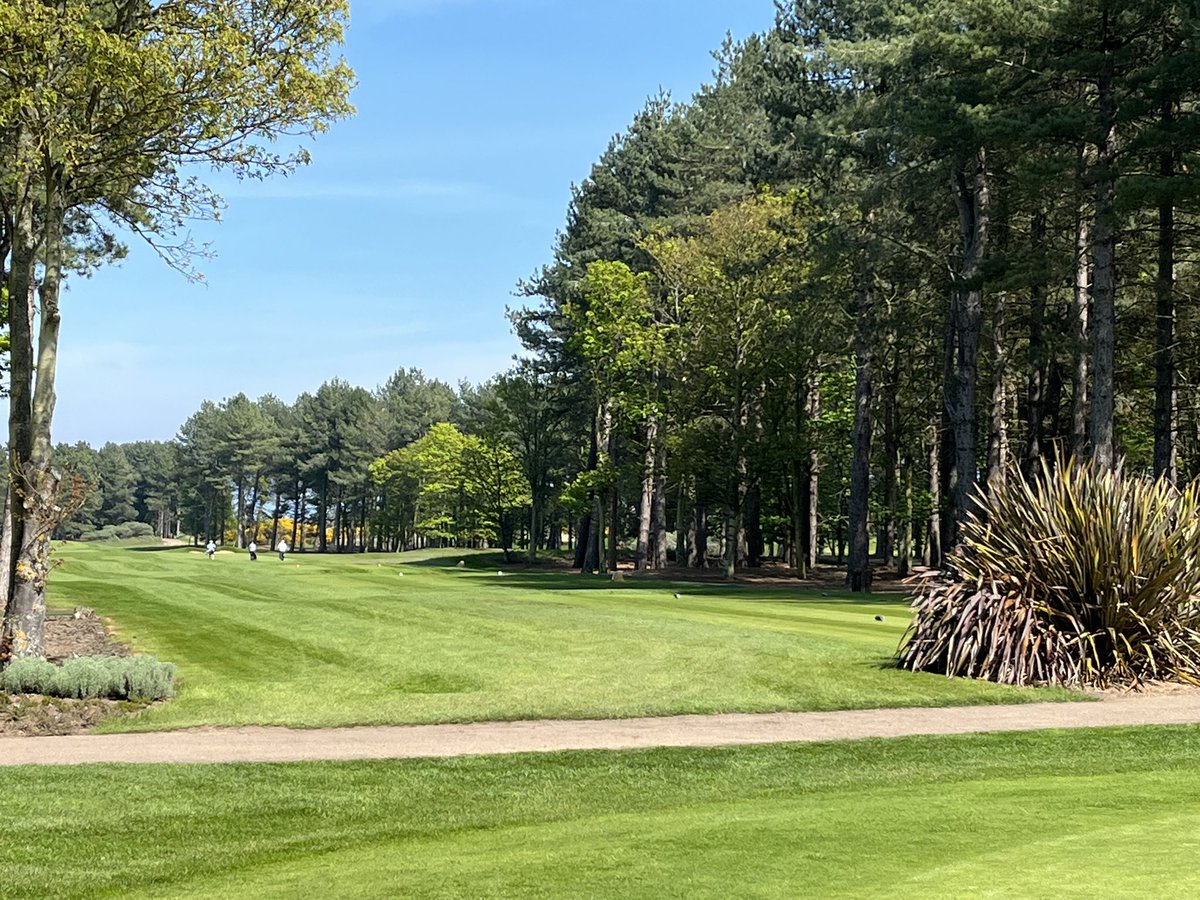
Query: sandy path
[(393, 742)]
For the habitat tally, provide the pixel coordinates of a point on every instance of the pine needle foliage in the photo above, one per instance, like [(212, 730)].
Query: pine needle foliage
[(1078, 577)]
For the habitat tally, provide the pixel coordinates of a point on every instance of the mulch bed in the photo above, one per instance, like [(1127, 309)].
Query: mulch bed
[(32, 715)]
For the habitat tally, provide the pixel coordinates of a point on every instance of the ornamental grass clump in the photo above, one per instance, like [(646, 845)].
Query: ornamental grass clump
[(1080, 577)]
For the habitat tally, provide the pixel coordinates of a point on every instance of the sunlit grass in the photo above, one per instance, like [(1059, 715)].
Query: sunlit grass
[(1064, 814), (327, 640)]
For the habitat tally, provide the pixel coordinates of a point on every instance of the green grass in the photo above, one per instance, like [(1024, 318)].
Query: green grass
[(1068, 814), (325, 640)]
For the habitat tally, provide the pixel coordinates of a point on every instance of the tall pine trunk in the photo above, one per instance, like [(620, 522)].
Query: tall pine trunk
[(658, 515), (972, 196), (1165, 363), (998, 449), (1035, 376), (1104, 251), (1079, 338), (645, 510), (858, 574)]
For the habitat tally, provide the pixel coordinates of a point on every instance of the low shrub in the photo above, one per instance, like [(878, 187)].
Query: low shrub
[(118, 532), (30, 676), (84, 677), (1078, 577)]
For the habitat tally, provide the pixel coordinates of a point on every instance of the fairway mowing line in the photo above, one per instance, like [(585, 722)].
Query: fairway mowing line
[(273, 744)]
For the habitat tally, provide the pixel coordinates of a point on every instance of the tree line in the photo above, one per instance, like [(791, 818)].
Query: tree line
[(893, 255), (413, 463)]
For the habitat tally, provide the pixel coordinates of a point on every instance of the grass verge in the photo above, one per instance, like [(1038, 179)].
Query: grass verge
[(1073, 813)]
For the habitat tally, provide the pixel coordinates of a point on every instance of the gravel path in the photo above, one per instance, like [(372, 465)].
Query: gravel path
[(225, 745)]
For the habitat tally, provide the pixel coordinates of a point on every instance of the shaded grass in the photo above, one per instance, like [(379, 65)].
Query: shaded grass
[(327, 640), (1070, 813)]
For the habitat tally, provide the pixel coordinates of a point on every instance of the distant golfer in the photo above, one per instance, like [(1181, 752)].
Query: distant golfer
[(253, 548), (211, 549), (283, 549)]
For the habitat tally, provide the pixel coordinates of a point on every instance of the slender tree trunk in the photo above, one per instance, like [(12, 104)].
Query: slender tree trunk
[(904, 558), (1104, 248), (891, 463), (586, 539), (933, 539), (972, 196), (322, 513), (752, 525), (683, 539), (275, 520), (298, 517), (998, 449), (1080, 338), (947, 455), (241, 513), (700, 535), (6, 552), (645, 510), (658, 515), (858, 575), (1166, 426), (799, 504), (1035, 379), (613, 499)]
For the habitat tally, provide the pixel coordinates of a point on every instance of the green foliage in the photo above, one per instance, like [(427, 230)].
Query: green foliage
[(455, 487), (116, 532), (30, 675), (86, 677), (1081, 577)]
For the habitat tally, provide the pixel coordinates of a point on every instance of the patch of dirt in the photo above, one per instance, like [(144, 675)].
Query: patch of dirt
[(1152, 688), (81, 634), (32, 715)]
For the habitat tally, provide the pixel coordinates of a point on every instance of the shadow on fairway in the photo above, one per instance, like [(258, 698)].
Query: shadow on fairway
[(751, 593)]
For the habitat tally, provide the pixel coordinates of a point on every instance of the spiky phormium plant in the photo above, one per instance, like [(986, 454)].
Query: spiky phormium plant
[(1078, 577)]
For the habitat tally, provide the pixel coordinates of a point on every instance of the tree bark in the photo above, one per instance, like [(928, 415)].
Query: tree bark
[(645, 510), (933, 534), (904, 557), (36, 485), (891, 463), (1104, 250), (1035, 378), (1166, 425), (658, 515), (1079, 338), (858, 575), (6, 553), (700, 536), (972, 195), (998, 449)]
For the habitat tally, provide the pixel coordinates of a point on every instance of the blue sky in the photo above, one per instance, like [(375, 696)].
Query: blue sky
[(402, 243)]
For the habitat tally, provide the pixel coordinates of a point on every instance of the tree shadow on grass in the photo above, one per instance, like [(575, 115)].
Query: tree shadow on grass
[(573, 581)]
